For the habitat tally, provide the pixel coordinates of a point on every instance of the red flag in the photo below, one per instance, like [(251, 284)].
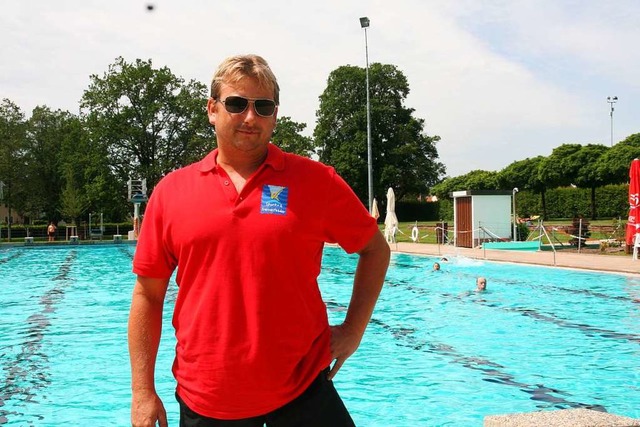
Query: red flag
[(633, 225)]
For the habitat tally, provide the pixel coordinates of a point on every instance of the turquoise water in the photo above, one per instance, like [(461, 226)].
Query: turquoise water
[(435, 354)]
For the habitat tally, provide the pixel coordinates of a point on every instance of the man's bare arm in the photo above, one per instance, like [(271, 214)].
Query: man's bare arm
[(145, 329), (367, 284)]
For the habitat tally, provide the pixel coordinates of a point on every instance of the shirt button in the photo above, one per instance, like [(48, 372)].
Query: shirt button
[(226, 183)]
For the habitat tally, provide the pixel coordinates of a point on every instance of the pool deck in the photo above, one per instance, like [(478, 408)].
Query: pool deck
[(561, 418), (586, 261)]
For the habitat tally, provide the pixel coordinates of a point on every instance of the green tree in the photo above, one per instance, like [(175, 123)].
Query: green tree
[(12, 156), (148, 120), (287, 136), (403, 156), (85, 162), (556, 170), (46, 132), (73, 204), (524, 175), (585, 163), (613, 166), (474, 180)]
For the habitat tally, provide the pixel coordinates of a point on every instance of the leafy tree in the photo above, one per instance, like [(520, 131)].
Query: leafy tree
[(574, 164), (148, 120), (85, 162), (447, 186), (524, 175), (403, 156), (287, 136), (12, 153), (46, 132), (73, 204), (585, 163), (556, 170), (613, 166), (482, 180), (474, 180)]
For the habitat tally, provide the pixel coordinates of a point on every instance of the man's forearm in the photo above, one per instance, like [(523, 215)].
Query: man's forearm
[(145, 328), (368, 281)]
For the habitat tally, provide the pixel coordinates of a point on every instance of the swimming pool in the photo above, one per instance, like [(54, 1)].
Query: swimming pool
[(435, 354)]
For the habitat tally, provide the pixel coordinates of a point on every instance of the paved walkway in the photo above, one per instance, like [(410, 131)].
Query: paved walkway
[(613, 263)]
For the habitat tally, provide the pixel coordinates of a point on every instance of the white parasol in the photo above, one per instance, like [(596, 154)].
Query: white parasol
[(374, 209), (391, 220)]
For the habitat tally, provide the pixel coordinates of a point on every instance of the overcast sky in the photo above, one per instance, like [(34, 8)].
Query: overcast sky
[(498, 81)]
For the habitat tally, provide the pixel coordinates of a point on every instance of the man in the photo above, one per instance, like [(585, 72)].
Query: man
[(51, 232), (481, 284), (245, 228)]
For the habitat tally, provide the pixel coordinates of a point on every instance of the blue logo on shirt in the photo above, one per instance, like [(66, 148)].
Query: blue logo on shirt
[(274, 200)]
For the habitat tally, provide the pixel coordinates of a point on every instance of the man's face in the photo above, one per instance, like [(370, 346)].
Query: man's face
[(246, 131)]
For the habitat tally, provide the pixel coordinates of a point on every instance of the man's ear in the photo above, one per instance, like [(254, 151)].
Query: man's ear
[(211, 110)]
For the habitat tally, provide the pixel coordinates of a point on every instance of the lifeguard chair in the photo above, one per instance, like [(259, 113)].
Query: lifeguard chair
[(137, 189)]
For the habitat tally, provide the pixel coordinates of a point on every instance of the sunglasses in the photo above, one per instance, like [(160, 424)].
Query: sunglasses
[(238, 104)]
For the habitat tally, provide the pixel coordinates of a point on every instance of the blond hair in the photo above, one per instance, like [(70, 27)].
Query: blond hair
[(236, 68)]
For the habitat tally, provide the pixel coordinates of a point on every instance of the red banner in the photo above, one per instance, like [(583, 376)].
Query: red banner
[(633, 225)]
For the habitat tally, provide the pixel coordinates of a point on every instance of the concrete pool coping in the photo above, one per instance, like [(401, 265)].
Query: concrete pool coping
[(609, 263), (560, 418), (585, 261)]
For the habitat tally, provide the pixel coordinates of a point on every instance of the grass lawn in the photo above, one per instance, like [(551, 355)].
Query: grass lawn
[(601, 229)]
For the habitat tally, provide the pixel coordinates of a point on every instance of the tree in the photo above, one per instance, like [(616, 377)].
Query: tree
[(524, 175), (73, 204), (474, 180), (148, 120), (287, 136), (574, 164), (12, 153), (585, 163), (613, 166), (403, 156), (46, 132)]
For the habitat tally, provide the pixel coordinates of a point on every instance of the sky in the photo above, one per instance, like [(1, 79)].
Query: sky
[(497, 80)]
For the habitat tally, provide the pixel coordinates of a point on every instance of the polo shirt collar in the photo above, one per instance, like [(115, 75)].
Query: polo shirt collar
[(275, 159)]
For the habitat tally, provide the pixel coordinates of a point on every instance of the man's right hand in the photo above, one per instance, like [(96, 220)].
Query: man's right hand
[(146, 409)]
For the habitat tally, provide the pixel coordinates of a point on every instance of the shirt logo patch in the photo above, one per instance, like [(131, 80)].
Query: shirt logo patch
[(274, 200)]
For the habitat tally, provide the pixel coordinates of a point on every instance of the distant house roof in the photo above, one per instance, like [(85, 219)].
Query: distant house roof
[(481, 193)]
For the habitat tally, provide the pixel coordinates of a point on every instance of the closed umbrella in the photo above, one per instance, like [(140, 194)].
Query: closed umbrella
[(391, 220), (374, 209), (633, 226)]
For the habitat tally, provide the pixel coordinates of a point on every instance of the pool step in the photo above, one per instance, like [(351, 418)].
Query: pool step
[(560, 418)]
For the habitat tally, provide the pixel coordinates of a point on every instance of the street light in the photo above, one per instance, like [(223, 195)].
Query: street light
[(364, 23), (513, 198), (612, 100)]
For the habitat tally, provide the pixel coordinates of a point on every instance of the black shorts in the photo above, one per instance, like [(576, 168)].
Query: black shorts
[(318, 406)]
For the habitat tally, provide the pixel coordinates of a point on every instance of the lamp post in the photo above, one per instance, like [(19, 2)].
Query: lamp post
[(364, 23), (612, 100), (513, 198)]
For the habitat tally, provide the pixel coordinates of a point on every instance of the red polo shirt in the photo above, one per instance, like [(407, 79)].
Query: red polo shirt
[(252, 329)]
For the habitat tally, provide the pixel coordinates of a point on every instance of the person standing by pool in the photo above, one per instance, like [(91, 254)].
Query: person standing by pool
[(253, 340), (51, 232)]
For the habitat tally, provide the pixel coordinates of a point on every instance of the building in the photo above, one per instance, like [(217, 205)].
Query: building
[(480, 216)]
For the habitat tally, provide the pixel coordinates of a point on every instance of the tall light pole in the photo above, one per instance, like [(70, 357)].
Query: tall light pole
[(364, 23), (612, 100), (513, 198)]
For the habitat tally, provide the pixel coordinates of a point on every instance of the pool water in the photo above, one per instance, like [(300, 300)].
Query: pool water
[(435, 354)]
